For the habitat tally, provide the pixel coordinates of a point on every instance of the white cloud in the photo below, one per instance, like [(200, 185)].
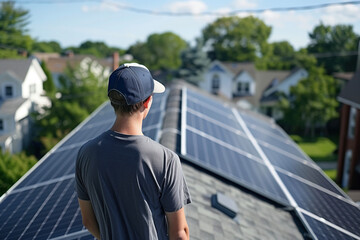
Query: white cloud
[(103, 7), (340, 14), (192, 6), (244, 4)]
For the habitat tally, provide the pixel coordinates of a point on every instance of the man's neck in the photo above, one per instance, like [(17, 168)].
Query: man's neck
[(128, 125)]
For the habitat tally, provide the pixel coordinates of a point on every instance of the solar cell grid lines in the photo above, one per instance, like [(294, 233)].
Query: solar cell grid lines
[(234, 165), (214, 146), (325, 232)]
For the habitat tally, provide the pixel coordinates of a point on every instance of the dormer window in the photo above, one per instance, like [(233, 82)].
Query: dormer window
[(243, 87), (8, 91)]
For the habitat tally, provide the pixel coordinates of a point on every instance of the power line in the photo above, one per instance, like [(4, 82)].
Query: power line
[(284, 9), (174, 14)]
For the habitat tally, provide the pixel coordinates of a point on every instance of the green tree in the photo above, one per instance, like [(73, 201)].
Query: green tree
[(335, 40), (160, 51), (237, 39), (97, 49), (12, 167), (82, 90), (194, 61), (13, 32), (281, 57), (49, 47), (312, 102), (48, 85)]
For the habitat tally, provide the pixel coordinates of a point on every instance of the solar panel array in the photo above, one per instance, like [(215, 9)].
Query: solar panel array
[(236, 145), (43, 204), (259, 155)]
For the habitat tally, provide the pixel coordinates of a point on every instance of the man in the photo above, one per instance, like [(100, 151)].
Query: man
[(129, 186)]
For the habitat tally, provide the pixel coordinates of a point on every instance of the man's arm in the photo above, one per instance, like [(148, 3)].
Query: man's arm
[(88, 218), (177, 225)]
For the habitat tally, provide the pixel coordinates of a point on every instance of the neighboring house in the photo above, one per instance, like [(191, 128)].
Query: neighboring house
[(248, 87), (100, 67), (348, 174), (57, 65), (21, 92)]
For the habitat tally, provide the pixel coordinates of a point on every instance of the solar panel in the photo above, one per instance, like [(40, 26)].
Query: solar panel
[(323, 231), (331, 207), (249, 150), (43, 204), (220, 144), (233, 165), (301, 169), (238, 146)]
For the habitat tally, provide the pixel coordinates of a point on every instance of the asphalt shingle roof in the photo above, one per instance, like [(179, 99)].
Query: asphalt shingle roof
[(19, 67), (350, 93)]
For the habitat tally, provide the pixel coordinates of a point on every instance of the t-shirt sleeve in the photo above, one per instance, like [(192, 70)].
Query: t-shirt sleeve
[(175, 193), (79, 183)]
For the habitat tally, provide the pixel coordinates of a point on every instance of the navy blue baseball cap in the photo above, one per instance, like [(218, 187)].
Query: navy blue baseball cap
[(134, 82)]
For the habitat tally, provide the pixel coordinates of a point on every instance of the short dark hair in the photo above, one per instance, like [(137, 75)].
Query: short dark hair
[(120, 106)]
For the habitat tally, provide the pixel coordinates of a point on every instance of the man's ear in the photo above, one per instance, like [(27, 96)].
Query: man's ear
[(147, 101)]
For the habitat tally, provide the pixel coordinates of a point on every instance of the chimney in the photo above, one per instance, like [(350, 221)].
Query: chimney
[(69, 54), (115, 60)]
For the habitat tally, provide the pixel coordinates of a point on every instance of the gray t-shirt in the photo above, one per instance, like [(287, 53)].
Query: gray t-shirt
[(131, 181)]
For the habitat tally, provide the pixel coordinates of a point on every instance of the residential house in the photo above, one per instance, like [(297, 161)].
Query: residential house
[(21, 92), (348, 174), (100, 67), (58, 64), (249, 87)]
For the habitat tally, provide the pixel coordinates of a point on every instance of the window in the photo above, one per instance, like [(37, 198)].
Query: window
[(246, 87), (32, 89), (8, 91), (243, 87), (215, 83), (1, 124)]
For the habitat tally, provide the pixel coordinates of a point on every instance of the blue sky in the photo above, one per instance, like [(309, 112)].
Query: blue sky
[(71, 22)]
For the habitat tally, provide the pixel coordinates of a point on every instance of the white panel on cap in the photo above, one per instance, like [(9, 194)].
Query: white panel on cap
[(135, 65)]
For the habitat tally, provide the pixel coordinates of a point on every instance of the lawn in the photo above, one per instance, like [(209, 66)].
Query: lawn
[(319, 149)]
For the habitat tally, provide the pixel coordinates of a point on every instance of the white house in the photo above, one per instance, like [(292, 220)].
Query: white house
[(249, 87), (21, 92)]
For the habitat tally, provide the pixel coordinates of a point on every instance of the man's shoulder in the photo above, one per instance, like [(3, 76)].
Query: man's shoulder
[(92, 143), (153, 145)]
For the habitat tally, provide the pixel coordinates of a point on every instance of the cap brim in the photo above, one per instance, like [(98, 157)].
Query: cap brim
[(158, 87)]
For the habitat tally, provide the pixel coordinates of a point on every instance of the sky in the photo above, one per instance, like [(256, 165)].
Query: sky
[(71, 22)]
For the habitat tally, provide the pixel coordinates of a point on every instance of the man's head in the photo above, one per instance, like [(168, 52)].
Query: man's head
[(130, 86)]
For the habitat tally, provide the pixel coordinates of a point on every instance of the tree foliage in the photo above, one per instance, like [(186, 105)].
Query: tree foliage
[(48, 85), (13, 32), (48, 47), (237, 39), (194, 61), (82, 90), (312, 102), (160, 51), (336, 40), (12, 167), (98, 49)]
